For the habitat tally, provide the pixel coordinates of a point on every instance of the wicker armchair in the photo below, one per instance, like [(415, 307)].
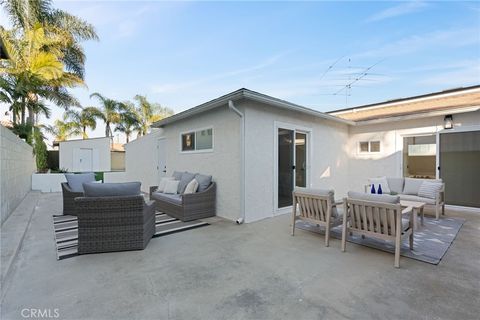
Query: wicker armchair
[(69, 199), (114, 223), (190, 207)]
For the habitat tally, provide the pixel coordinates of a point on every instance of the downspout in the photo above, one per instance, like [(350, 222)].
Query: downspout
[(231, 106)]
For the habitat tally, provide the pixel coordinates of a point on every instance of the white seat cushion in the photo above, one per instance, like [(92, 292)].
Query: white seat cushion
[(171, 186), (410, 197)]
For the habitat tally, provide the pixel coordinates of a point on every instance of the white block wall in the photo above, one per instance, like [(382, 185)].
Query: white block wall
[(17, 163)]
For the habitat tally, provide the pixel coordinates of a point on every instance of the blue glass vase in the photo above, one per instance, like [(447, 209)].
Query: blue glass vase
[(379, 191), (372, 190)]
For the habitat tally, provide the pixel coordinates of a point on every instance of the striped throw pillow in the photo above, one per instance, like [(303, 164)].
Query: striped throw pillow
[(429, 189)]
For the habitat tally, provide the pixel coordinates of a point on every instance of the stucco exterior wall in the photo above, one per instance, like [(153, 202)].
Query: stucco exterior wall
[(223, 163), (141, 160), (328, 166), (101, 159), (17, 163), (389, 162)]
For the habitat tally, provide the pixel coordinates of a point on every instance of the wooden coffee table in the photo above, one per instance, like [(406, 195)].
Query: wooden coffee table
[(417, 208)]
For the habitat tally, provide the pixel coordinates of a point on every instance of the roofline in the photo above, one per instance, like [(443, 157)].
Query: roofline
[(80, 139), (428, 96), (246, 94), (418, 115)]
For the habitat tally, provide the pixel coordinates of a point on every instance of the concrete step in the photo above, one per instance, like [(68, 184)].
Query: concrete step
[(13, 231)]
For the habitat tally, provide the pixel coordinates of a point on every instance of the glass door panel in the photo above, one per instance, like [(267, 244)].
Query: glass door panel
[(300, 160), (285, 167), (419, 157), (460, 167)]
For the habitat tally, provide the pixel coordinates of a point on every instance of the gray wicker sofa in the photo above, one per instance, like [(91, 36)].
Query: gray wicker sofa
[(187, 207), (108, 222)]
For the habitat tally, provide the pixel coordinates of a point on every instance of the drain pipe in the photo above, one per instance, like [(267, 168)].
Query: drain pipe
[(231, 106)]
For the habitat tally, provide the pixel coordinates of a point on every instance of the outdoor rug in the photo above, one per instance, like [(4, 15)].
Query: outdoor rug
[(430, 242), (66, 231)]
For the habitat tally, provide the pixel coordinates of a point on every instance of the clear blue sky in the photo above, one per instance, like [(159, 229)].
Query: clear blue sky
[(181, 54)]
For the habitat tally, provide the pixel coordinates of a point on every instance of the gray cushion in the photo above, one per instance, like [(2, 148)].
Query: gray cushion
[(203, 181), (412, 186), (410, 197), (429, 189), (75, 181), (396, 184), (385, 198), (177, 175), (186, 178), (111, 189), (172, 198), (321, 192)]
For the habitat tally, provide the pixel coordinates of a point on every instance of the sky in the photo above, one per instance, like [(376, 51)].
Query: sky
[(181, 54)]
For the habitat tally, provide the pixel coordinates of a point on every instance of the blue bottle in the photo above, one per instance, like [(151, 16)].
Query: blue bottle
[(379, 191), (373, 189)]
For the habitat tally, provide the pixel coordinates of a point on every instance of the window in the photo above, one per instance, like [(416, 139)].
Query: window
[(369, 146), (198, 140)]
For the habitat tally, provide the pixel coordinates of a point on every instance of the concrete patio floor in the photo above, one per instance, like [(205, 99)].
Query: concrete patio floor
[(252, 271)]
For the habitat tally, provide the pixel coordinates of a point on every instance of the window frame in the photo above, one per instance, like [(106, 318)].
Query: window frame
[(194, 131), (359, 150)]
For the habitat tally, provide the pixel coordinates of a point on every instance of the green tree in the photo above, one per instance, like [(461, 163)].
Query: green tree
[(111, 111), (148, 113), (62, 130), (84, 118), (128, 121), (40, 150)]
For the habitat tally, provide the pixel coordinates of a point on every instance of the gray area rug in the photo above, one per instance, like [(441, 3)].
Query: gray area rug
[(431, 241)]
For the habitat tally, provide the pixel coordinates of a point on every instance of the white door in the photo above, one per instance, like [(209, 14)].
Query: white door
[(84, 160), (162, 157)]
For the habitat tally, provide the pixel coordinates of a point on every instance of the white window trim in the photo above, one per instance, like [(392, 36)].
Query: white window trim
[(195, 141), (359, 151)]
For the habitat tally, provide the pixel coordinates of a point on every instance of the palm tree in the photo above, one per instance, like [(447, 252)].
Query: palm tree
[(111, 110), (62, 130), (25, 14), (149, 113), (34, 71), (83, 119), (128, 123)]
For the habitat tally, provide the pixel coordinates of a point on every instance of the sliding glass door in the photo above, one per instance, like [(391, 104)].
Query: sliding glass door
[(292, 164), (460, 167)]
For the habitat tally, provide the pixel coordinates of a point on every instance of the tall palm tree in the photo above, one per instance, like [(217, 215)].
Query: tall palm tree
[(128, 123), (25, 14), (111, 110), (83, 119), (149, 113), (34, 71), (62, 130)]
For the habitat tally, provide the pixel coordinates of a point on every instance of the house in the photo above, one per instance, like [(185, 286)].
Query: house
[(259, 147), (95, 154)]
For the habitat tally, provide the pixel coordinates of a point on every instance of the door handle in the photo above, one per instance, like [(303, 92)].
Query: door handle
[(293, 167)]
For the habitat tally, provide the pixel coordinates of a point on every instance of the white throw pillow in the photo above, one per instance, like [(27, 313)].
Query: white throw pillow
[(191, 187), (163, 182), (429, 189), (171, 186), (380, 181)]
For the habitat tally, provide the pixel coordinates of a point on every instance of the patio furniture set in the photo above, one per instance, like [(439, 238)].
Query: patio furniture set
[(390, 217), (116, 216)]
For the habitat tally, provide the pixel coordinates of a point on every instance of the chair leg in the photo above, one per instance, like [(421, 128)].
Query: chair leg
[(397, 251), (344, 236), (293, 226), (443, 209), (327, 235), (411, 240), (437, 212)]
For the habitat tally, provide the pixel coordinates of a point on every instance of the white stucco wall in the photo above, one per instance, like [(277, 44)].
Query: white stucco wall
[(101, 158), (389, 162), (328, 166), (223, 163), (17, 163), (141, 160)]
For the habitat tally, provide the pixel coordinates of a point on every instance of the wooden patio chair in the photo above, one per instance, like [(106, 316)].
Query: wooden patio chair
[(377, 219), (318, 207)]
